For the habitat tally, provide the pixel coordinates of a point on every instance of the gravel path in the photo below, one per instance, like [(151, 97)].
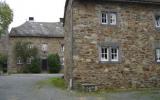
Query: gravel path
[(23, 87)]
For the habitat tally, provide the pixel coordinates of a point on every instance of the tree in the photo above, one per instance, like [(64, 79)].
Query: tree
[(24, 51), (6, 17)]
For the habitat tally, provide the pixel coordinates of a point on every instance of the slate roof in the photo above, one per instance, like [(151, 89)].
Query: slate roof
[(38, 29)]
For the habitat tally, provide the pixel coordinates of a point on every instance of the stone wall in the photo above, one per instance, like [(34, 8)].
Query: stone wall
[(135, 33), (54, 46), (68, 42)]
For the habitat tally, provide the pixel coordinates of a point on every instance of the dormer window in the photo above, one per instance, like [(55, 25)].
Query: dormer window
[(157, 19), (109, 18)]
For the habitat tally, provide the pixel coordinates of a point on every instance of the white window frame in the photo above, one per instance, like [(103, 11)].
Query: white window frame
[(29, 60), (157, 21), (104, 18), (115, 54), (103, 58), (111, 18), (158, 55), (30, 46), (19, 61), (44, 47), (109, 54)]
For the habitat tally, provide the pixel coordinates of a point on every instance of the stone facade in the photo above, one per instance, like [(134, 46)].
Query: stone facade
[(38, 34), (54, 46), (135, 34)]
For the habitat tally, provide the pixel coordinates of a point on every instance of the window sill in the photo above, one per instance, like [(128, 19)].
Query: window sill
[(109, 62)]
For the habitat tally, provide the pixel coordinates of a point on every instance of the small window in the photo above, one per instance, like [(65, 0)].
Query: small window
[(29, 60), (109, 54), (113, 19), (158, 55), (30, 46), (157, 19), (114, 54), (19, 61), (44, 47), (62, 47), (104, 18), (104, 54), (109, 18)]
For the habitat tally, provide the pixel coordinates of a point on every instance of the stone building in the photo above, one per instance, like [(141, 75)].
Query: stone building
[(112, 43), (47, 37)]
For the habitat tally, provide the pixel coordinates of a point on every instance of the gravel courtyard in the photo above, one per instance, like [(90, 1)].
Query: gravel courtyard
[(23, 87)]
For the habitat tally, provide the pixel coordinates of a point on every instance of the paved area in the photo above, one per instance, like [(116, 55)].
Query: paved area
[(23, 87)]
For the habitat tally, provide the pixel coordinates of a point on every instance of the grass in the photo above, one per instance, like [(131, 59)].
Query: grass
[(55, 82)]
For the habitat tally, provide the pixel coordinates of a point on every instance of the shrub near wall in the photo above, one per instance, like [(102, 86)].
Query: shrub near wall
[(54, 63), (34, 67), (3, 61)]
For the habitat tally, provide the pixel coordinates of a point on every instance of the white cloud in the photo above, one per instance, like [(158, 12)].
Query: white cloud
[(41, 10)]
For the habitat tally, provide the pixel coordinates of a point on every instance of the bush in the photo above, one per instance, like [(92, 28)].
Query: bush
[(3, 61), (54, 63), (34, 67)]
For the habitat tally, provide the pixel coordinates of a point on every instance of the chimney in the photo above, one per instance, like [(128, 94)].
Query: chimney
[(31, 19), (61, 20)]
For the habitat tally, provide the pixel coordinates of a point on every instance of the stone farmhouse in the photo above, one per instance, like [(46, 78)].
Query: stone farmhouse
[(112, 43), (47, 37)]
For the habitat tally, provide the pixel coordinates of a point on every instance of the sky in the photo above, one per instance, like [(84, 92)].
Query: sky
[(41, 10)]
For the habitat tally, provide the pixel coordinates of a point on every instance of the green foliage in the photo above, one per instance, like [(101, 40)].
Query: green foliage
[(6, 17), (25, 50), (3, 60), (54, 63), (34, 67)]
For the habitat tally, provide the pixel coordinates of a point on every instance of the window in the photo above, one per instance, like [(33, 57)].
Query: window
[(104, 18), (44, 47), (157, 19), (113, 18), (104, 54), (109, 18), (29, 60), (30, 46), (109, 54), (114, 54), (158, 55), (19, 61), (62, 47)]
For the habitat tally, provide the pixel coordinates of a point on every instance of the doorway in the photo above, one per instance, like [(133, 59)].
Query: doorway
[(44, 64)]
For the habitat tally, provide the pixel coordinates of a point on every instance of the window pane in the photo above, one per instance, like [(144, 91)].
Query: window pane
[(104, 18), (114, 54), (158, 55), (157, 21), (44, 47), (113, 19), (104, 54)]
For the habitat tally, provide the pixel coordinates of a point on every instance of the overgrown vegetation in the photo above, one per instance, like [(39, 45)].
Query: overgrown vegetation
[(6, 17), (34, 67), (54, 63), (24, 51)]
